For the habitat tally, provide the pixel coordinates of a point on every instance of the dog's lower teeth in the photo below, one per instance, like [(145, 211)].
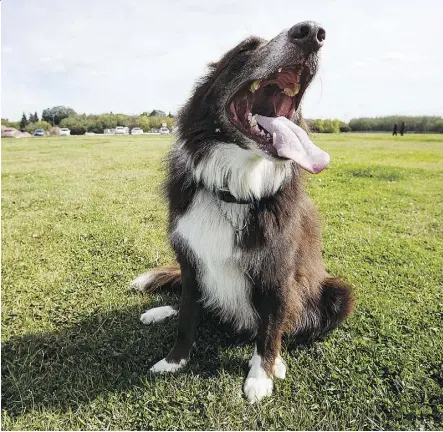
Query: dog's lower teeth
[(252, 121)]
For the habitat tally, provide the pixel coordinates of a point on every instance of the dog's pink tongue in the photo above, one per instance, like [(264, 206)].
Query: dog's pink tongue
[(292, 142)]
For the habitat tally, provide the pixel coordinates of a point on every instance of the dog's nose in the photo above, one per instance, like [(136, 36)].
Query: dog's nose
[(308, 35)]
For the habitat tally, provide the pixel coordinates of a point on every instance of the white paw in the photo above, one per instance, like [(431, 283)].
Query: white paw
[(257, 384), (279, 368), (257, 388), (163, 366), (157, 314), (142, 282), (255, 358)]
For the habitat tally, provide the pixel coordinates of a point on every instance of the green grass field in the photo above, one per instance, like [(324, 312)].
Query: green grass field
[(82, 216)]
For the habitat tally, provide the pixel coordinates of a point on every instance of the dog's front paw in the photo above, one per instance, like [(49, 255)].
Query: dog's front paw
[(257, 388), (258, 384), (279, 368), (164, 366)]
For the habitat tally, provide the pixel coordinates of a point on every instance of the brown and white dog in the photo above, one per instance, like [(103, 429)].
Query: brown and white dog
[(245, 235)]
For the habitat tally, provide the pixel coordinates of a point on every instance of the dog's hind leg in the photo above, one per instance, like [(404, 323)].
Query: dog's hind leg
[(165, 277), (325, 313)]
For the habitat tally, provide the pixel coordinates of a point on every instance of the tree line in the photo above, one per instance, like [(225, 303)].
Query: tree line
[(425, 124), (81, 123), (419, 124)]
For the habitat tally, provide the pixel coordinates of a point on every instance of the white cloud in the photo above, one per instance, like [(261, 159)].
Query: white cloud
[(395, 56), (105, 55), (364, 62)]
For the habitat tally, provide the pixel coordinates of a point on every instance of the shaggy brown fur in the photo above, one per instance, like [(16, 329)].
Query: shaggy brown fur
[(279, 249)]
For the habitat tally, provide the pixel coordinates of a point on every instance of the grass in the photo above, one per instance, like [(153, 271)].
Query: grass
[(83, 215)]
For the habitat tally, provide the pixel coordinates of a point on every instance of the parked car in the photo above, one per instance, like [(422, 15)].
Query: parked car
[(164, 130), (39, 132), (121, 130), (136, 131), (65, 132), (8, 133)]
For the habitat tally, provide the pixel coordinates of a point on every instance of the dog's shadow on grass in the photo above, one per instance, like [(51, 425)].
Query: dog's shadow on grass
[(105, 352)]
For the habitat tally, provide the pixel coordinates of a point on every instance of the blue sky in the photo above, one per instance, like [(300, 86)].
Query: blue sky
[(380, 57)]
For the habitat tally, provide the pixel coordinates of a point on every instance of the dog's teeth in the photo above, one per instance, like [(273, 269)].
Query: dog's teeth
[(292, 91), (279, 69), (252, 120), (255, 86)]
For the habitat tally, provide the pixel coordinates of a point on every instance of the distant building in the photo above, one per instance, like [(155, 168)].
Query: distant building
[(158, 113)]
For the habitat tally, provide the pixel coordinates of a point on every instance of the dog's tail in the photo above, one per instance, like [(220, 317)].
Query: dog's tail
[(327, 312), (163, 277)]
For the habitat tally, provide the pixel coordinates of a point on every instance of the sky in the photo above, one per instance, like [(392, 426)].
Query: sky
[(379, 58)]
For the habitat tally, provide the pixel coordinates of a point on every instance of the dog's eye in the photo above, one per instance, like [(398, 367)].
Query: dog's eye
[(250, 44)]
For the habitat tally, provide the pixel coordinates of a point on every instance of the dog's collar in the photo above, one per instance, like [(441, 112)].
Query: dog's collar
[(226, 196)]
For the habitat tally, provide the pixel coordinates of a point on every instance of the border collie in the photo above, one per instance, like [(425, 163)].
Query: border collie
[(245, 235)]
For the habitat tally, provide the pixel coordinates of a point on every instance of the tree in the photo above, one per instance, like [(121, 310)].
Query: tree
[(385, 124), (23, 122), (33, 118), (7, 123), (56, 114), (31, 127), (81, 123), (156, 121), (344, 127), (36, 119), (78, 124)]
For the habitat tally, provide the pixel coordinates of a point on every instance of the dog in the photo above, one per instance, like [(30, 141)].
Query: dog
[(245, 235)]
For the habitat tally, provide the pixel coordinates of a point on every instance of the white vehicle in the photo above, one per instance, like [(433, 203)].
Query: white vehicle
[(65, 132), (121, 130), (8, 133), (137, 131), (164, 130)]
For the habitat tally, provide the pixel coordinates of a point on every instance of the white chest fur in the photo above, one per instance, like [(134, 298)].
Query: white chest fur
[(210, 236), (207, 228), (244, 172)]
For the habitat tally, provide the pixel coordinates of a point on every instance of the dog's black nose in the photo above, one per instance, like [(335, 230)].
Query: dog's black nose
[(308, 35)]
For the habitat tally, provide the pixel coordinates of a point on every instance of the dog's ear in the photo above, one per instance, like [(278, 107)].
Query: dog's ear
[(235, 59), (249, 44)]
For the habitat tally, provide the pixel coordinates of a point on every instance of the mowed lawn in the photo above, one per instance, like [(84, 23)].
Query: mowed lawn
[(82, 216)]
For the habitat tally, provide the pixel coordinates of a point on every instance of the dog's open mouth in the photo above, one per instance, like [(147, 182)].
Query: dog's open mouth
[(263, 109)]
